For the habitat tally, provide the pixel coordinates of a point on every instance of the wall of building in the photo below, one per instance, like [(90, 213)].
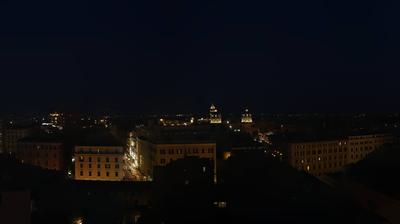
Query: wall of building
[(161, 154), (146, 151), (45, 155), (103, 163), (322, 157), (318, 157), (11, 136), (361, 145)]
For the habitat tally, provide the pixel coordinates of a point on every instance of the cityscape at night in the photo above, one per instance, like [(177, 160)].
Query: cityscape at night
[(166, 112)]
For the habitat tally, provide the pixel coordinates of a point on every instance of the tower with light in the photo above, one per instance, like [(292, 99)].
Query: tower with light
[(215, 117), (247, 117)]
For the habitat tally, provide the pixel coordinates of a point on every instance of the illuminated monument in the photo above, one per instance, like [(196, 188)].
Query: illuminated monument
[(246, 117), (215, 117)]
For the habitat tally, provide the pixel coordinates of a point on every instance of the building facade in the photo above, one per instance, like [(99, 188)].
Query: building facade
[(154, 154), (361, 145), (11, 136), (328, 156), (47, 155), (99, 163)]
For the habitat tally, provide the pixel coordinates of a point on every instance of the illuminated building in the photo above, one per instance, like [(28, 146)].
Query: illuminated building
[(320, 157), (247, 117), (215, 117), (46, 153), (56, 119), (361, 145), (177, 121), (100, 160), (160, 153), (103, 121)]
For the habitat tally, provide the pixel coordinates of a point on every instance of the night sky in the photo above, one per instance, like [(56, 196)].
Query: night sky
[(179, 56)]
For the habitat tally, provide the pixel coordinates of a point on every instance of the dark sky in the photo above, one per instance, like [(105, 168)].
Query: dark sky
[(157, 55)]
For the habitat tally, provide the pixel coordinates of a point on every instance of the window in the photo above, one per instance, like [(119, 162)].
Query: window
[(107, 174), (90, 159), (90, 165), (107, 160), (107, 166), (162, 161), (81, 165), (170, 151), (90, 173), (162, 151), (81, 158), (116, 166), (116, 174), (116, 160), (98, 174), (81, 173), (98, 166), (98, 159)]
